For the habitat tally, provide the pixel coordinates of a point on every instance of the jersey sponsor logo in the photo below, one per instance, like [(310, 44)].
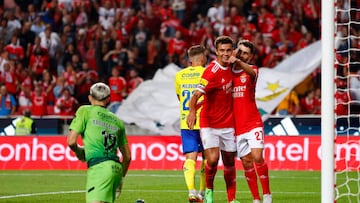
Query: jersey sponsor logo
[(190, 75), (228, 87)]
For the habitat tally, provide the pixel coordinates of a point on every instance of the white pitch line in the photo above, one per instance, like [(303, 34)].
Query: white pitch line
[(39, 194)]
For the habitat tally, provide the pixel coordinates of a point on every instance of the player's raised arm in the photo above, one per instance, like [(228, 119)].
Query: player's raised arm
[(191, 119), (243, 55)]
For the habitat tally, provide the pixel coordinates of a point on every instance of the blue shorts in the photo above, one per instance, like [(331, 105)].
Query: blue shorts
[(191, 141)]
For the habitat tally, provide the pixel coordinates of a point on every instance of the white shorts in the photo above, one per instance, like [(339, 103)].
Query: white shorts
[(249, 140), (218, 137)]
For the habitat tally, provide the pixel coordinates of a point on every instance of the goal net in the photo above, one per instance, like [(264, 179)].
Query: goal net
[(347, 101)]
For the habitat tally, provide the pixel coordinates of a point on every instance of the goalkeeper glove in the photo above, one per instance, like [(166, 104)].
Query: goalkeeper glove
[(80, 153)]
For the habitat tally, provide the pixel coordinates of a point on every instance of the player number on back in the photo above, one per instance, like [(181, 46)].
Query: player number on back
[(186, 94), (109, 140)]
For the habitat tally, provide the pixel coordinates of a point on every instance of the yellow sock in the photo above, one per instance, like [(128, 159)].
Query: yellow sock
[(189, 173), (202, 177)]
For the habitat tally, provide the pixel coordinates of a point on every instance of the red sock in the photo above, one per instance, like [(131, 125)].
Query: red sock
[(263, 173), (251, 178), (230, 180), (210, 173)]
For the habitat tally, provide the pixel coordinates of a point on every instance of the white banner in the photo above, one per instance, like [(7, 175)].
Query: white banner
[(274, 84), (154, 105)]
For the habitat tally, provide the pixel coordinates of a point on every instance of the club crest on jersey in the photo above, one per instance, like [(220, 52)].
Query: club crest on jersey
[(243, 79)]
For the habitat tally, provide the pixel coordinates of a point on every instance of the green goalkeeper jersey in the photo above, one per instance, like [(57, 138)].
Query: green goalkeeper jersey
[(102, 133)]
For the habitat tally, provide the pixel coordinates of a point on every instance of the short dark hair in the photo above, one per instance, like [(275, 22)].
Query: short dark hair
[(247, 44), (223, 40), (196, 50)]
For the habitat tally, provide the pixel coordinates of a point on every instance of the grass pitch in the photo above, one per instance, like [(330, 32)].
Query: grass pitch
[(152, 186)]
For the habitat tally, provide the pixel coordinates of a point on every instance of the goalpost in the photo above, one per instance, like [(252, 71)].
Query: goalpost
[(339, 183), (327, 100)]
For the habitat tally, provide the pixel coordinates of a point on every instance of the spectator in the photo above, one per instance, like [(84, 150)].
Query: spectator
[(118, 91), (70, 77), (139, 39), (13, 25), (24, 99), (26, 36), (9, 78), (118, 57), (355, 92), (106, 14), (16, 52), (133, 81), (90, 56), (58, 88), (179, 6), (67, 55), (175, 45), (35, 44), (51, 41), (66, 105), (342, 98), (39, 99), (84, 79), (39, 62), (355, 86), (8, 102), (38, 26), (310, 104), (48, 84), (4, 59)]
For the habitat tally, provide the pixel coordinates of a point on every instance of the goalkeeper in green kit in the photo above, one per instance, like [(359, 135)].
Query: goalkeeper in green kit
[(102, 133)]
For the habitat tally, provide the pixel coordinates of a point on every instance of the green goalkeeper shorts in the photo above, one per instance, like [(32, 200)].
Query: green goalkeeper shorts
[(102, 180)]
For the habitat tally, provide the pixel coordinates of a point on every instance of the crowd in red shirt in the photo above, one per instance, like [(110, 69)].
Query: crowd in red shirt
[(58, 48)]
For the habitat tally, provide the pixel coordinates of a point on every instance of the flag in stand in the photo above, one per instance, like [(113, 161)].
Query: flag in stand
[(274, 84)]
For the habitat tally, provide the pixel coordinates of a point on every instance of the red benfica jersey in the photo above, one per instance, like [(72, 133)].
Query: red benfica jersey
[(216, 84), (39, 104), (116, 85), (246, 114)]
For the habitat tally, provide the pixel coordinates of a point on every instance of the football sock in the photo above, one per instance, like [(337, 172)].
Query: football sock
[(251, 178), (202, 177), (230, 180), (263, 173), (189, 173), (210, 173)]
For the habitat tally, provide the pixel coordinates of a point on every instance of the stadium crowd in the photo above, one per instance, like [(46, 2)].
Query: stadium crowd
[(53, 51)]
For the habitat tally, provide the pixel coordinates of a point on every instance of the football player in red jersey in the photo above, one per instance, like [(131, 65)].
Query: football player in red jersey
[(249, 129)]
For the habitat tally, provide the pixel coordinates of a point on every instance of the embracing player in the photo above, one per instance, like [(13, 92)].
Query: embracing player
[(216, 119), (249, 129)]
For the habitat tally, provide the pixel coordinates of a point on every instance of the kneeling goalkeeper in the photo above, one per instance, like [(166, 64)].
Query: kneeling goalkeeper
[(102, 133)]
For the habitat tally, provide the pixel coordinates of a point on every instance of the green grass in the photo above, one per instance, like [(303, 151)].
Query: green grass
[(154, 187)]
